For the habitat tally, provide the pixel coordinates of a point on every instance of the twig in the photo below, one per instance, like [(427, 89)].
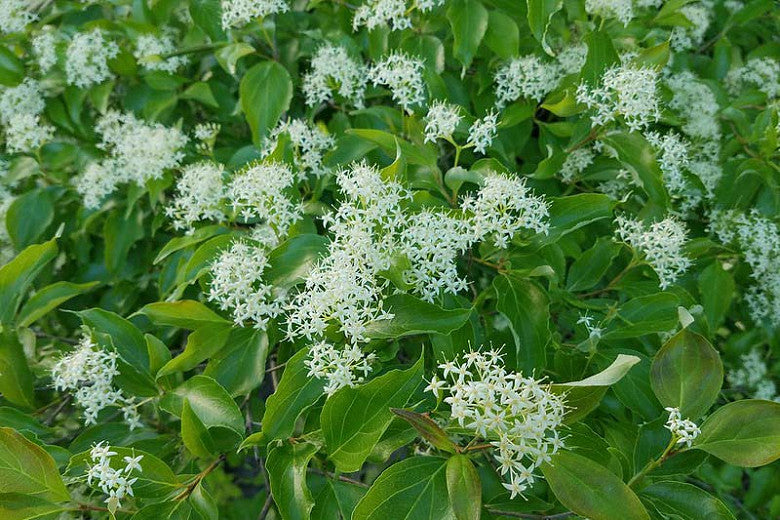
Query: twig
[(557, 516), (50, 420), (339, 477), (198, 478)]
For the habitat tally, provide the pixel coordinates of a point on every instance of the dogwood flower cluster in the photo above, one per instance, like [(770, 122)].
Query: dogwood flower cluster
[(309, 143), (575, 163), (527, 77), (572, 58), (673, 159), (206, 135), (441, 121), (684, 431), (628, 91), (752, 377), (519, 416), (15, 15), (621, 10), (137, 152), (20, 113), (237, 13), (759, 240), (660, 244), (334, 71), (340, 367), (502, 207), (149, 51), (483, 131), (759, 73), (88, 372), (403, 76), (199, 195), (259, 193), (44, 45), (686, 38), (116, 483), (696, 103), (237, 285), (86, 58), (390, 13)]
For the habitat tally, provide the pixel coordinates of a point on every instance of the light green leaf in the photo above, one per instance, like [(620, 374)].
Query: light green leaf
[(645, 315), (201, 345), (126, 338), (26, 468), (292, 260), (353, 419), (187, 314), (412, 316), (17, 275), (570, 213), (601, 56), (28, 216), (265, 94), (464, 487), (194, 433), (16, 380), (637, 155), (22, 506), (502, 35), (49, 298), (286, 467), (716, 289), (592, 265), (229, 55), (207, 14)]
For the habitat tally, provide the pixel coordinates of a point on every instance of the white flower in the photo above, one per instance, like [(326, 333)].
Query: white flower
[(572, 58), (527, 77), (310, 142), (752, 376), (760, 73), (44, 46), (403, 76), (483, 131), (95, 184), (626, 90), (696, 104), (441, 121), (89, 372), (660, 243), (149, 49), (15, 15), (86, 62), (199, 193), (673, 158), (519, 416), (23, 99), (236, 13), (347, 366), (504, 206), (259, 192), (26, 133), (687, 38), (333, 70), (575, 163), (237, 284), (375, 13), (113, 482), (684, 431), (621, 10)]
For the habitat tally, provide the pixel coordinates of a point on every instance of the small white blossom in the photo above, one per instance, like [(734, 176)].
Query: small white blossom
[(684, 431), (575, 163), (752, 377), (525, 77), (441, 121), (660, 243), (237, 285), (621, 10), (403, 76), (696, 103), (112, 480), (673, 158), (628, 91), (310, 143), (483, 131), (340, 367), (149, 49), (86, 62), (44, 46), (26, 133), (376, 13), (237, 13), (687, 38), (760, 73), (15, 15), (333, 70), (23, 99), (199, 193), (572, 58)]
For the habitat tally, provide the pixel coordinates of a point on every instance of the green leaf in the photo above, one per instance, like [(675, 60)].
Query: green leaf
[(16, 380), (687, 373), (28, 217), (464, 488), (49, 298), (187, 314), (265, 94), (527, 307), (656, 56), (539, 14), (413, 489), (121, 232), (469, 21), (684, 501), (743, 433), (207, 14), (240, 366), (413, 154), (126, 338), (592, 265), (17, 275), (645, 315), (229, 55), (201, 345), (353, 419), (11, 68), (292, 260), (296, 393), (601, 56), (412, 316), (637, 155), (582, 397), (26, 468), (591, 490), (179, 243), (286, 467), (716, 290), (194, 433), (570, 213), (502, 35), (428, 429), (22, 506)]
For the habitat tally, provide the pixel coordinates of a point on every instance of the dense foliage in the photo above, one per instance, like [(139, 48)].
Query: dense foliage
[(406, 259)]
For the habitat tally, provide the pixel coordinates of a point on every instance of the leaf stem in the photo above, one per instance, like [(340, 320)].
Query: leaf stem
[(650, 466)]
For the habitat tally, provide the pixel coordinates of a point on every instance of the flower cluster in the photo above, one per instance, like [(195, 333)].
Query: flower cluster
[(333, 70), (199, 195), (575, 163), (15, 15), (697, 105), (20, 112), (259, 193), (760, 73), (86, 62), (483, 131), (527, 77), (621, 10), (114, 482), (309, 143), (686, 38), (660, 243), (389, 13), (89, 372), (339, 367), (237, 284), (44, 46), (684, 431), (441, 121), (137, 152), (150, 49), (237, 13), (403, 76), (519, 416), (628, 91), (752, 377), (572, 58)]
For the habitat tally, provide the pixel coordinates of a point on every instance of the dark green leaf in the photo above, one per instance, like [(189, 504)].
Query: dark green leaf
[(428, 429), (265, 93), (413, 316), (469, 21), (464, 488), (28, 217), (286, 467), (684, 501)]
